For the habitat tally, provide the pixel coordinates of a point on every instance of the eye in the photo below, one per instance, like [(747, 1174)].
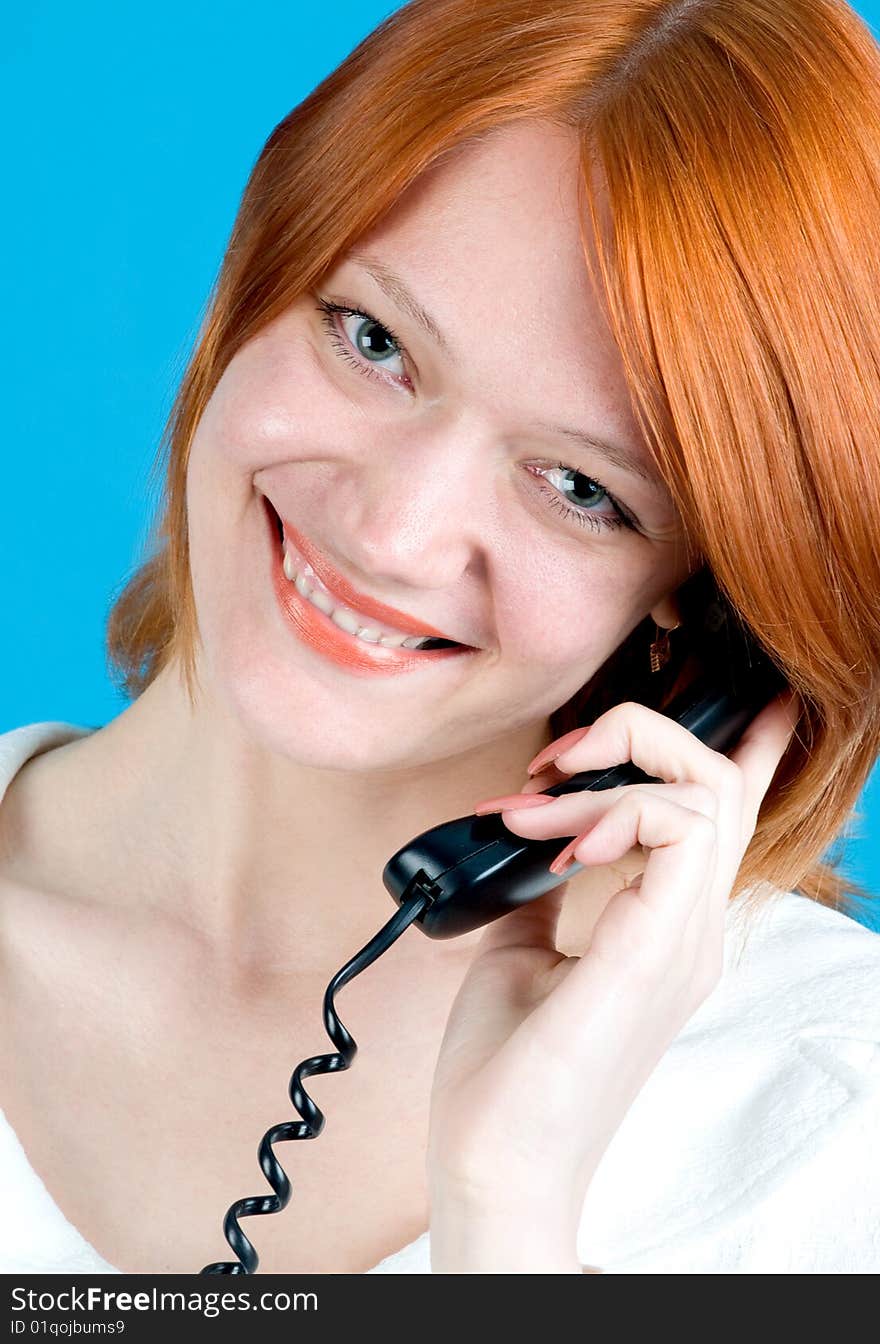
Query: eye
[(367, 347), (584, 486), (365, 343)]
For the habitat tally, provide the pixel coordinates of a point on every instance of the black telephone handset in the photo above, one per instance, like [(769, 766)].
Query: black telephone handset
[(472, 869)]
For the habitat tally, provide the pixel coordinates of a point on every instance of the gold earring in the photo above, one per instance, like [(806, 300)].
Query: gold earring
[(660, 649)]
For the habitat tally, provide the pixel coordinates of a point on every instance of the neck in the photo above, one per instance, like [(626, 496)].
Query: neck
[(272, 863)]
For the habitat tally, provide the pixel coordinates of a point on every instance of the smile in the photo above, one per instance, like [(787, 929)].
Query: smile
[(337, 630)]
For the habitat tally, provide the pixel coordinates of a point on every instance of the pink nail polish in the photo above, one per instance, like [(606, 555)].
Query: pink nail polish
[(549, 754), (512, 800), (564, 857)]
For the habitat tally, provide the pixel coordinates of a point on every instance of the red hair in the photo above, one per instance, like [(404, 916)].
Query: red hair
[(736, 147)]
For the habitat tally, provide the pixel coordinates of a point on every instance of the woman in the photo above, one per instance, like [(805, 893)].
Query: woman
[(530, 321)]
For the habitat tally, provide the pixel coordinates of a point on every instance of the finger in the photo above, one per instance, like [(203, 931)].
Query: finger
[(654, 742), (760, 750), (682, 863), (640, 934), (665, 750), (574, 812)]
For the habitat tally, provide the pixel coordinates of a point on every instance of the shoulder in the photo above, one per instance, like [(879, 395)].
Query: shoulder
[(24, 927), (751, 1146), (803, 965), (18, 746), (797, 1011)]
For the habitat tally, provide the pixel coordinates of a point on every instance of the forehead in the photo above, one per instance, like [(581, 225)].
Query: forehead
[(502, 207)]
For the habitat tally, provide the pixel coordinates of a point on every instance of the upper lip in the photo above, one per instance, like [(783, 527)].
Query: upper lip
[(349, 596)]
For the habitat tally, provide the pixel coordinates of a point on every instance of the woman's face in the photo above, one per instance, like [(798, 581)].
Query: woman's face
[(431, 473)]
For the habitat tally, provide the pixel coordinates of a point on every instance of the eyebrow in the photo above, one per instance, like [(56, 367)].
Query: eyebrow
[(399, 292)]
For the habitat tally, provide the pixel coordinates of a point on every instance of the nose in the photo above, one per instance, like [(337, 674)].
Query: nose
[(417, 508)]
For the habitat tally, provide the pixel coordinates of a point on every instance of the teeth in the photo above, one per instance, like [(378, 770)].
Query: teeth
[(322, 600), (344, 618), (341, 616)]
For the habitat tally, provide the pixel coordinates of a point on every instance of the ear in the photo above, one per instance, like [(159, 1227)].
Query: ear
[(667, 612)]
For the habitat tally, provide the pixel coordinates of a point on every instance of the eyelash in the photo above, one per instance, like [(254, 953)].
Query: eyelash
[(328, 310)]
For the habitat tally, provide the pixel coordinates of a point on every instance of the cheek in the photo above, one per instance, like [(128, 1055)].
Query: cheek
[(557, 608), (265, 409)]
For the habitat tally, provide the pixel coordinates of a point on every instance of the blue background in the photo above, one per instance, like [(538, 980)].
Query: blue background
[(134, 129)]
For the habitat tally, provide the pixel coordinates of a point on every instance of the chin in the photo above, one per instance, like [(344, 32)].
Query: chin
[(315, 727)]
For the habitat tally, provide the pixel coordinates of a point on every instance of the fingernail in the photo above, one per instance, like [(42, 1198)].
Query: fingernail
[(556, 748), (560, 863), (512, 800)]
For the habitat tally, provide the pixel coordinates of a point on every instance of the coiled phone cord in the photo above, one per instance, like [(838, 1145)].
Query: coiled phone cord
[(419, 894)]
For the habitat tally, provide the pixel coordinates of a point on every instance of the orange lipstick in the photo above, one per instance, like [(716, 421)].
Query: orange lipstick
[(316, 629)]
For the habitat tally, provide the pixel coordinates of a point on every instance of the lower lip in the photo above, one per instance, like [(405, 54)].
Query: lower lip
[(327, 638)]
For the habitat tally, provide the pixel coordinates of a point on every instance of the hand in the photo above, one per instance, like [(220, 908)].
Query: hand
[(543, 1054)]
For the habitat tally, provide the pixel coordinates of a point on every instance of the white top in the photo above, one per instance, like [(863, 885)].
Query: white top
[(751, 1149)]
